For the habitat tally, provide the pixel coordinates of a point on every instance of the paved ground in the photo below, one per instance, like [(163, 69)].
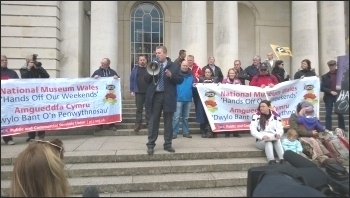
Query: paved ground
[(89, 144)]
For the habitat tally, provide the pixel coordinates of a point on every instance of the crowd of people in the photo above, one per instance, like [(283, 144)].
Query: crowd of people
[(170, 93), (172, 90)]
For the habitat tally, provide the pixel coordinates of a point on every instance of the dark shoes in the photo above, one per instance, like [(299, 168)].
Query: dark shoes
[(236, 135), (204, 135), (187, 135), (150, 151), (282, 161), (227, 135), (170, 149), (98, 129), (174, 136), (113, 128), (272, 162), (137, 127)]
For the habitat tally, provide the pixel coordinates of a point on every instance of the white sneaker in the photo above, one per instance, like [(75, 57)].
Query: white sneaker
[(11, 142)]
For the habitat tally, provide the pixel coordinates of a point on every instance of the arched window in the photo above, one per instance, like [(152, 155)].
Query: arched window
[(146, 30)]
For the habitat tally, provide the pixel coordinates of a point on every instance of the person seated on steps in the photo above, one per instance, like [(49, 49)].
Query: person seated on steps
[(266, 126)]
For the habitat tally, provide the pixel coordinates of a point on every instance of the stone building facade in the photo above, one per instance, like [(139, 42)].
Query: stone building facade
[(71, 37)]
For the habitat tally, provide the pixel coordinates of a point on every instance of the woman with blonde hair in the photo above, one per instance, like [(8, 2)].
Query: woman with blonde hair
[(39, 171)]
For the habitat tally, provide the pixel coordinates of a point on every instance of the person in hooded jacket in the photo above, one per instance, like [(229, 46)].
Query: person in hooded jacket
[(105, 71), (305, 70)]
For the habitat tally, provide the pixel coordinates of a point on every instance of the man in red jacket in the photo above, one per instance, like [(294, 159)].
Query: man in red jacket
[(263, 78), (197, 72)]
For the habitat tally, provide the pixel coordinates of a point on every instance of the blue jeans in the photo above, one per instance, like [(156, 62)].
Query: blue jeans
[(182, 113), (329, 103)]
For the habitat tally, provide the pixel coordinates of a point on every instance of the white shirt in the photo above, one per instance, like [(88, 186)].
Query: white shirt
[(273, 126)]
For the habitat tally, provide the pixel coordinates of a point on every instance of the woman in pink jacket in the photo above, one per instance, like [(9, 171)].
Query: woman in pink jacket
[(232, 78)]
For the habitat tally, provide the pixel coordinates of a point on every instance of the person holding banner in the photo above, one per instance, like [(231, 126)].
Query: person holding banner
[(263, 78), (105, 71), (201, 116), (232, 78), (161, 97), (305, 70), (328, 86), (7, 73), (33, 69), (266, 126)]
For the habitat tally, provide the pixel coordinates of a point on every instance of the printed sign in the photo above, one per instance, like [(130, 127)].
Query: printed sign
[(58, 103), (230, 107), (342, 103)]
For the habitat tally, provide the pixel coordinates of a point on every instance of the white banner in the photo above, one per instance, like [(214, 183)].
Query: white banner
[(230, 107), (58, 103)]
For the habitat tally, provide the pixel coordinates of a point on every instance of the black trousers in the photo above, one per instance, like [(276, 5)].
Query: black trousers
[(7, 138), (41, 134), (154, 121), (140, 102)]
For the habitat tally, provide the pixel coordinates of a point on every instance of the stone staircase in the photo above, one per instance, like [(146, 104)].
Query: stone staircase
[(200, 167)]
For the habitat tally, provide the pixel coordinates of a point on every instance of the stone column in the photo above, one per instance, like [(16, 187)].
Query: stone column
[(194, 30), (225, 36), (332, 32), (104, 33), (304, 34), (71, 50)]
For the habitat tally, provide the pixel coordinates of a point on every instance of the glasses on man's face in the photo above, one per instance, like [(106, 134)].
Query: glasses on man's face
[(47, 142)]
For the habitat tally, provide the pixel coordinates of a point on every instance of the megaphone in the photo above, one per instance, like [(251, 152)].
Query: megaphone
[(153, 68)]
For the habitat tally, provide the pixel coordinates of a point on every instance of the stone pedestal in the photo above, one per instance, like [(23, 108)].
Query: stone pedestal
[(225, 37), (104, 33), (304, 34), (194, 30), (332, 32)]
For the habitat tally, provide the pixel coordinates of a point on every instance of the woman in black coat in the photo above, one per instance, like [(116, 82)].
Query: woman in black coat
[(279, 71)]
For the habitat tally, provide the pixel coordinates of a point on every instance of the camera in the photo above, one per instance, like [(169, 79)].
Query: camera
[(34, 57), (37, 64)]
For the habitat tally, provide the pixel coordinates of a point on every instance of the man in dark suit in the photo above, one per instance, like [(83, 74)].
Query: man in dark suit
[(161, 96)]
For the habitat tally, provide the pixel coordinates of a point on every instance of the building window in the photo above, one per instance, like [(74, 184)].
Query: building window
[(146, 30)]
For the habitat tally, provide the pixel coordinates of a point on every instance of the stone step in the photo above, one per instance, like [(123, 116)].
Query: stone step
[(138, 152), (132, 119), (113, 184), (132, 114), (127, 132), (153, 167), (238, 191)]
